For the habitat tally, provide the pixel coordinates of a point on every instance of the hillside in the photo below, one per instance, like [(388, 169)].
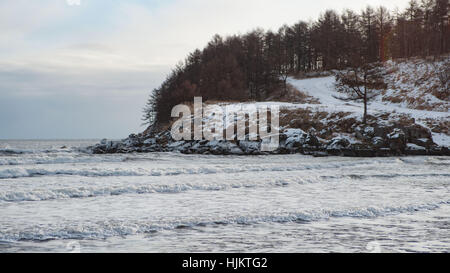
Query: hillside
[(316, 122), (255, 66), (414, 92)]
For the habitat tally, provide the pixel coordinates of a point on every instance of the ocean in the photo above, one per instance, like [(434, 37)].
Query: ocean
[(56, 197)]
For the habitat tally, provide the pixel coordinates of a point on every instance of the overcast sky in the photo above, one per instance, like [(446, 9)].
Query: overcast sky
[(85, 71)]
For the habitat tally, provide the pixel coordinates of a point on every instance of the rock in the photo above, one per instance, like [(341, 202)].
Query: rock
[(378, 142), (297, 140), (176, 145), (149, 141), (440, 151), (236, 151), (423, 142), (250, 147), (416, 131), (365, 133), (98, 149), (294, 138), (397, 140), (338, 143), (413, 149), (224, 147), (312, 141), (418, 135), (380, 131), (185, 147), (198, 148)]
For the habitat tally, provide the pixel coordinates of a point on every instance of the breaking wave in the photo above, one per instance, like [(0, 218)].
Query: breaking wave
[(85, 192), (60, 159), (105, 229), (101, 172), (16, 151)]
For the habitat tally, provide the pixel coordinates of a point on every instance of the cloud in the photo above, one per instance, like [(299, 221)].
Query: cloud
[(142, 32), (98, 61)]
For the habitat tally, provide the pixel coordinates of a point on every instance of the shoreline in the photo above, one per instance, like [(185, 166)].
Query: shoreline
[(293, 141)]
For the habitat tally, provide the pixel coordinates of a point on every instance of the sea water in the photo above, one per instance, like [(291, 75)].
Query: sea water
[(56, 197)]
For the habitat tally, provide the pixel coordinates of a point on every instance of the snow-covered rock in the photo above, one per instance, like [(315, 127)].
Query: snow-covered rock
[(412, 146), (338, 143), (250, 147), (397, 140)]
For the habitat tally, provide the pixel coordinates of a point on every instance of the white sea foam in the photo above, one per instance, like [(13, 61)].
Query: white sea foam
[(92, 189), (17, 172), (84, 192), (149, 200), (43, 159), (105, 229)]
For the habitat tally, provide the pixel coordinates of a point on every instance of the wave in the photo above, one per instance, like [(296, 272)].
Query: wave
[(17, 151), (89, 192), (385, 176), (99, 172), (140, 172), (43, 160), (105, 229), (9, 151), (85, 192)]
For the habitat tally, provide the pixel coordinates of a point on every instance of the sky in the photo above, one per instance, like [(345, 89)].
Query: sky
[(72, 69)]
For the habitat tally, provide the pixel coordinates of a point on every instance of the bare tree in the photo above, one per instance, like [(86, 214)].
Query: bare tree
[(383, 23), (283, 58), (360, 83)]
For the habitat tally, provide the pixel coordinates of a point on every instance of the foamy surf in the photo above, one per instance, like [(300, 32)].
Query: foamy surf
[(101, 170), (105, 229), (52, 193), (91, 192)]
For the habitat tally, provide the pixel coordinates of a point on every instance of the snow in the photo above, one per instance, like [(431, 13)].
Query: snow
[(441, 139), (294, 132), (417, 77), (338, 143), (323, 89), (412, 146)]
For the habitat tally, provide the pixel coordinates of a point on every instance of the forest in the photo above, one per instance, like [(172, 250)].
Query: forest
[(255, 66)]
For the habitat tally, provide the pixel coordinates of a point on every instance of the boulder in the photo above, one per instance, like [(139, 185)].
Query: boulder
[(397, 140), (378, 142), (338, 143), (297, 139), (250, 147), (413, 149), (365, 133), (418, 135), (149, 141)]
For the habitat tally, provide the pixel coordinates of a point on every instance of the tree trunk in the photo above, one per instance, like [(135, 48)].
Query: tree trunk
[(365, 107)]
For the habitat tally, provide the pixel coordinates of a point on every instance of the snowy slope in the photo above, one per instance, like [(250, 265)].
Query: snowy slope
[(324, 90)]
